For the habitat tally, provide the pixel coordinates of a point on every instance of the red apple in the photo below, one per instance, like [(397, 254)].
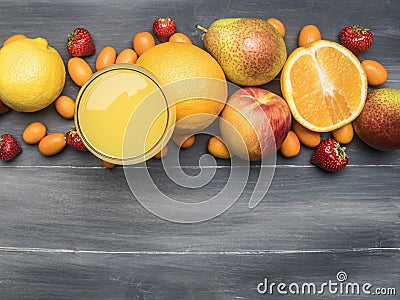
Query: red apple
[(254, 122)]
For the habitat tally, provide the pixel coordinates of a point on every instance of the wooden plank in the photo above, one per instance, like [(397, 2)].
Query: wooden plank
[(305, 208), (37, 275), (359, 153)]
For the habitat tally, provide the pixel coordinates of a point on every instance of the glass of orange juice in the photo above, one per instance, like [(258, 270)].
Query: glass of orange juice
[(119, 101)]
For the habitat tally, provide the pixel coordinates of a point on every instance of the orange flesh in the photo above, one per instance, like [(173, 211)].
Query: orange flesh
[(332, 79)]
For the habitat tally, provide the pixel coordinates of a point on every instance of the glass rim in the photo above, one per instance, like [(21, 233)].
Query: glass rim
[(166, 135)]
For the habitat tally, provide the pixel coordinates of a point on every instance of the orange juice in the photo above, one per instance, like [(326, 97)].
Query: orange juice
[(122, 114)]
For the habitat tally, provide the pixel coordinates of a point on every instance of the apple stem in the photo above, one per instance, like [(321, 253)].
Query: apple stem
[(201, 28)]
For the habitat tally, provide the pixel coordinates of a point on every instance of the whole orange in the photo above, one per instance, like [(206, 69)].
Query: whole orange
[(193, 81)]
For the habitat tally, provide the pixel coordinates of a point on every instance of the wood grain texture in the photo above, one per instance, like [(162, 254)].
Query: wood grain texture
[(187, 276), (312, 211), (73, 230)]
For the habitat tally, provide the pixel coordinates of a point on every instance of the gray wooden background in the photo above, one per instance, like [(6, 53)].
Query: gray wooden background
[(71, 229)]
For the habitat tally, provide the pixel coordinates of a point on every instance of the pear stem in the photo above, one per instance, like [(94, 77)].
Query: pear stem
[(201, 28)]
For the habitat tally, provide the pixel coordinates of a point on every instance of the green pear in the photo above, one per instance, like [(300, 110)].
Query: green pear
[(378, 125), (250, 51)]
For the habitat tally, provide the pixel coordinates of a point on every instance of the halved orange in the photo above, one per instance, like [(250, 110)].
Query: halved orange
[(324, 85)]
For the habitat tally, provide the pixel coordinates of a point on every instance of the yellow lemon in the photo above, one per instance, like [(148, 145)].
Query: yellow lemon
[(32, 74)]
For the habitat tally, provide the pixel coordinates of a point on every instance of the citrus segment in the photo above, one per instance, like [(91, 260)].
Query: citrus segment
[(324, 85)]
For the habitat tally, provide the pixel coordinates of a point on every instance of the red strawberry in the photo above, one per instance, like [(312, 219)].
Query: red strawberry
[(330, 156), (164, 28), (80, 43), (9, 147), (74, 140), (356, 38), (3, 108)]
